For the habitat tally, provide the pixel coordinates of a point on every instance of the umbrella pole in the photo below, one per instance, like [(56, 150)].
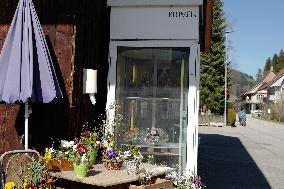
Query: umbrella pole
[(26, 125)]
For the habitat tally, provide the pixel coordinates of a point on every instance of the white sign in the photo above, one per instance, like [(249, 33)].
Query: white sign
[(154, 22)]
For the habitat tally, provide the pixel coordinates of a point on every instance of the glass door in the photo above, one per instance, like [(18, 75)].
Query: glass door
[(152, 92)]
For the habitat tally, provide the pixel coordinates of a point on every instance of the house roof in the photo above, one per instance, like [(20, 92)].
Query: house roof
[(263, 84), (279, 75), (267, 81)]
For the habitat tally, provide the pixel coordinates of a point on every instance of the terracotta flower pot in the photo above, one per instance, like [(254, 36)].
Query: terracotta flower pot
[(66, 165), (53, 165)]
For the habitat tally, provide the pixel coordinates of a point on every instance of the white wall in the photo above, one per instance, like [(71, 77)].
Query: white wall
[(155, 22)]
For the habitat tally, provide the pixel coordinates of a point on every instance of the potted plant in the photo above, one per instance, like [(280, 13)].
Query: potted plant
[(191, 181), (80, 160), (132, 158), (64, 154), (112, 159), (89, 139), (59, 160), (51, 162)]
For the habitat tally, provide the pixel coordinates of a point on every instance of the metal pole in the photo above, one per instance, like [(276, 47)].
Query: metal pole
[(226, 62), (26, 126)]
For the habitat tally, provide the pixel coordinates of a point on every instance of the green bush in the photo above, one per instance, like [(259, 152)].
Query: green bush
[(231, 117)]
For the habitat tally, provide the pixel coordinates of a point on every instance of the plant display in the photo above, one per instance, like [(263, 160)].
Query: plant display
[(154, 136), (112, 159), (186, 181)]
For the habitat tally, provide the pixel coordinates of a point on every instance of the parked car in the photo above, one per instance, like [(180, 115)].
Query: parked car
[(256, 113)]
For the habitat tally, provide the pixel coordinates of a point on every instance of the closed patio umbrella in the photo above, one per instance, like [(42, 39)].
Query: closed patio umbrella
[(27, 73)]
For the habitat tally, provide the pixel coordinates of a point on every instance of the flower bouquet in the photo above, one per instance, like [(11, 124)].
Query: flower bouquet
[(80, 160), (89, 139), (112, 159), (154, 136)]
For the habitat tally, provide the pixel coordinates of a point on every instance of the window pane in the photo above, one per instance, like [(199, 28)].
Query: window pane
[(152, 87)]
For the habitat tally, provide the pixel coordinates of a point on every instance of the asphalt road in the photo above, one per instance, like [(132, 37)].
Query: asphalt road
[(249, 157)]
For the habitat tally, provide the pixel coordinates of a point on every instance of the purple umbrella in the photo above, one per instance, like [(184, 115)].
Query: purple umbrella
[(27, 73)]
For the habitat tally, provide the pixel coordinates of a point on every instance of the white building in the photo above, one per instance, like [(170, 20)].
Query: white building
[(154, 59), (276, 88), (255, 98)]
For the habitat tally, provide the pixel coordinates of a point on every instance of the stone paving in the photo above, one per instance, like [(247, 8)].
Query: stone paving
[(249, 157)]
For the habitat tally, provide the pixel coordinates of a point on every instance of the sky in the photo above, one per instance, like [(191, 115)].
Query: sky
[(258, 32)]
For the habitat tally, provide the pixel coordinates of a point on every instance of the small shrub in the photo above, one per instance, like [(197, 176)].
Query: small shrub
[(231, 117)]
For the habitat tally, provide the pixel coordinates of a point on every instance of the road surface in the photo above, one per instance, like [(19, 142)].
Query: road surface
[(249, 157)]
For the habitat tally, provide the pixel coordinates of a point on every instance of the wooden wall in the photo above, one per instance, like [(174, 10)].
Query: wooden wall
[(77, 32)]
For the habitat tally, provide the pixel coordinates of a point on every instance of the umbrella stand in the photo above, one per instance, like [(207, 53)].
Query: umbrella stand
[(26, 125)]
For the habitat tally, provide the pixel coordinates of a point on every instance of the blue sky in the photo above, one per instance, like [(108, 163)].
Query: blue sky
[(258, 32)]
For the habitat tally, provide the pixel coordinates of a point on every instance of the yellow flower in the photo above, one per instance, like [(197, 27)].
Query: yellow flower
[(10, 185), (47, 157), (25, 185)]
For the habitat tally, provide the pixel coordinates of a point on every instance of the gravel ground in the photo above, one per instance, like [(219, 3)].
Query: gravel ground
[(239, 157)]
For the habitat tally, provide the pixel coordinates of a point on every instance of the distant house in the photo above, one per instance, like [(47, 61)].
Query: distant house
[(254, 98), (275, 89)]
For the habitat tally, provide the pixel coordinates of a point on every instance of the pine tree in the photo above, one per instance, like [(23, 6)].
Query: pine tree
[(267, 67), (275, 62), (213, 64), (280, 64)]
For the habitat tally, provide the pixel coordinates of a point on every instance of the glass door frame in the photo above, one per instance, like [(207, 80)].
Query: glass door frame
[(193, 91)]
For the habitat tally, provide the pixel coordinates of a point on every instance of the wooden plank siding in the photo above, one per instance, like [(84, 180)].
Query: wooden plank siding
[(205, 25), (77, 32)]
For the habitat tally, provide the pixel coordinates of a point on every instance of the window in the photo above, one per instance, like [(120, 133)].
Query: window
[(259, 97), (152, 92)]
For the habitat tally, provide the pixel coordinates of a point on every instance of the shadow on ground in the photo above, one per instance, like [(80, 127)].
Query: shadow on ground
[(224, 162)]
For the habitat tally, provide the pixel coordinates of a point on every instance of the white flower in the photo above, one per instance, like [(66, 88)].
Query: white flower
[(84, 158), (49, 150), (67, 144), (74, 147), (127, 154)]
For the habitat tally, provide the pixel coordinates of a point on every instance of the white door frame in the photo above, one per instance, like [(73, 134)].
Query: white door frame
[(193, 91)]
